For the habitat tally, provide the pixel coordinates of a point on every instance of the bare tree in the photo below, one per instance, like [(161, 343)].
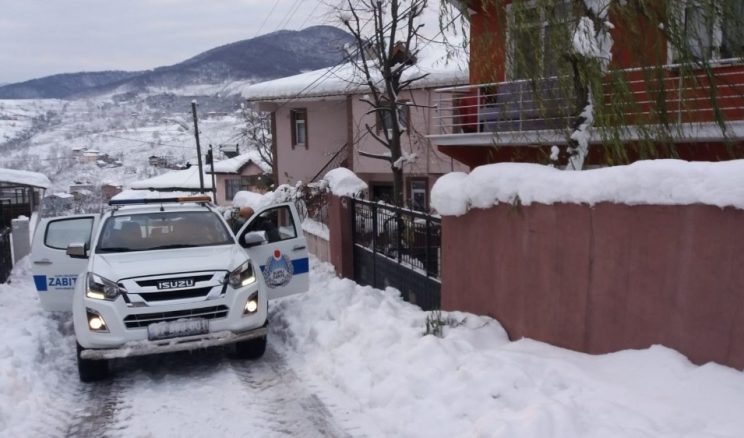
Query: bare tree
[(256, 133), (386, 36)]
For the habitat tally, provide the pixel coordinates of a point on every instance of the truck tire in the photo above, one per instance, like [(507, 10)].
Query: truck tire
[(252, 349), (91, 370)]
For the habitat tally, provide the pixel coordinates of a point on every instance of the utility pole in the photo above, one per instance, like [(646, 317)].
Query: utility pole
[(198, 147), (214, 183)]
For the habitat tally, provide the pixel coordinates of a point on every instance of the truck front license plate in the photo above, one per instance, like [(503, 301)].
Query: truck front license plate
[(177, 329)]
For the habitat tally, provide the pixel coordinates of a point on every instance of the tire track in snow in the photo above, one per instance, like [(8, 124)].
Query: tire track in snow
[(98, 405), (283, 402)]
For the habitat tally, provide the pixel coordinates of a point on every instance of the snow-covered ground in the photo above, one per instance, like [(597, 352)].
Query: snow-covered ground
[(347, 360), (40, 135)]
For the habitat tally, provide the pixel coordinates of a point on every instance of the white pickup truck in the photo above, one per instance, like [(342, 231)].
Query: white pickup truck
[(162, 275)]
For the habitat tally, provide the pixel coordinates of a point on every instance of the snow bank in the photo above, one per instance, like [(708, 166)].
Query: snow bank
[(24, 177), (37, 361), (245, 198), (344, 182), (659, 182), (365, 350)]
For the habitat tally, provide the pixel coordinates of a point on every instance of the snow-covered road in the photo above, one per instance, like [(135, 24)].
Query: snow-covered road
[(202, 393), (352, 361)]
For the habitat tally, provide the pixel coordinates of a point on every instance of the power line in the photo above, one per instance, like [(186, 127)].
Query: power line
[(260, 28)]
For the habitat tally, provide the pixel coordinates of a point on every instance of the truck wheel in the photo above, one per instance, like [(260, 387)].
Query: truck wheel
[(252, 349), (91, 370)]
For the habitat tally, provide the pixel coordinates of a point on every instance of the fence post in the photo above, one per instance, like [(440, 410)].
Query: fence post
[(399, 231), (426, 246), (340, 234)]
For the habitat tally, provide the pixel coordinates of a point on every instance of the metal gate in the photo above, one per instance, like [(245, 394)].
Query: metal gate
[(6, 260), (399, 248)]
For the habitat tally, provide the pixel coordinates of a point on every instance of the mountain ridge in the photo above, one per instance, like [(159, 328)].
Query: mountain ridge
[(277, 54)]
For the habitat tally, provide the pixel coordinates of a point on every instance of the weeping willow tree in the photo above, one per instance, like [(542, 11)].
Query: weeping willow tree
[(639, 77)]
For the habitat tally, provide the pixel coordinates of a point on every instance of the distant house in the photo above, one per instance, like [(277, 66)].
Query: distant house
[(157, 161), (239, 173), (20, 193), (318, 123), (110, 190), (231, 175)]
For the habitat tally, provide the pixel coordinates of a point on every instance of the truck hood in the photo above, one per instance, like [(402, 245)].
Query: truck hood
[(116, 266)]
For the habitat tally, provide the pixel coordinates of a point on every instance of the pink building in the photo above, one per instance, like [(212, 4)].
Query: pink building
[(318, 123)]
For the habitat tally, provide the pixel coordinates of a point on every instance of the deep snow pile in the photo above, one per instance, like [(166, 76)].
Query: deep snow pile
[(37, 360), (662, 182), (344, 182), (366, 350)]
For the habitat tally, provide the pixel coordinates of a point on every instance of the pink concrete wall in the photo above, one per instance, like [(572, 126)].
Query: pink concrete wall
[(327, 133), (605, 278)]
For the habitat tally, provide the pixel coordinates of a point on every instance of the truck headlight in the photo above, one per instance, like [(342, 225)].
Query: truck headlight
[(251, 304), (242, 276), (96, 323), (100, 288)]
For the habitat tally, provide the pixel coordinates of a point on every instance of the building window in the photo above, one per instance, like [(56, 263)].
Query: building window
[(712, 29), (232, 186), (538, 36), (385, 118), (417, 194), (299, 127)]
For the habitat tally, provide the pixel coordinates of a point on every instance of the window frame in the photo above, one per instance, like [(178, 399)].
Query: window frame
[(410, 191), (542, 25), (294, 119), (404, 118), (84, 218), (717, 34)]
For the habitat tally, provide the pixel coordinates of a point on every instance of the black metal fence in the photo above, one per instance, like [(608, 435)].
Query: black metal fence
[(400, 248), (6, 259)]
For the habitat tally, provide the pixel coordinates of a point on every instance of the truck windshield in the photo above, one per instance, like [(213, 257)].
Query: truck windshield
[(162, 230)]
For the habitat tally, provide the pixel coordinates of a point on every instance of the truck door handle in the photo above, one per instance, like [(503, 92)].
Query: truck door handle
[(298, 247), (43, 262)]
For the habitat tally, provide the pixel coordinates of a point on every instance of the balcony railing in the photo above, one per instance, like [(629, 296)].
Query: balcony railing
[(670, 95)]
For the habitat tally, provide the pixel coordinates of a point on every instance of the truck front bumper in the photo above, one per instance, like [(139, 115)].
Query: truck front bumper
[(143, 348)]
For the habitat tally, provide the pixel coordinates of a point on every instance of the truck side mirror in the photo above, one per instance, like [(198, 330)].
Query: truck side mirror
[(254, 238), (77, 250)]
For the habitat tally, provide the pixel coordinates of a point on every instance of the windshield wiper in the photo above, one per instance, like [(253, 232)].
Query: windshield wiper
[(173, 246), (115, 249)]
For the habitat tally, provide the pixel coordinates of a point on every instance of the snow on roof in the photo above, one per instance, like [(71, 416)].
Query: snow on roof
[(657, 182), (187, 179), (347, 79), (233, 165), (24, 177), (61, 195), (434, 58), (344, 182)]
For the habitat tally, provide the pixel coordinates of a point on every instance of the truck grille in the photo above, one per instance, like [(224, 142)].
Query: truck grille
[(145, 319), (154, 282), (177, 294)]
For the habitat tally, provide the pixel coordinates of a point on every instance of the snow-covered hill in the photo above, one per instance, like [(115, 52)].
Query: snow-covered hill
[(47, 135), (270, 56)]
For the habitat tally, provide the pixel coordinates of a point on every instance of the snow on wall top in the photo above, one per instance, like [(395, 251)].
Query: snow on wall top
[(659, 182), (176, 180), (344, 182), (24, 177)]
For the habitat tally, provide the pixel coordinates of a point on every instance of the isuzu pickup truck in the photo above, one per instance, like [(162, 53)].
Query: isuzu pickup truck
[(162, 275)]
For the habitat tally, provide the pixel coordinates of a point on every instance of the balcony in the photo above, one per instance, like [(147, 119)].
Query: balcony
[(634, 103)]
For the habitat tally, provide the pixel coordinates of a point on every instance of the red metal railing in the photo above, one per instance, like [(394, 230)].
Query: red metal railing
[(671, 94)]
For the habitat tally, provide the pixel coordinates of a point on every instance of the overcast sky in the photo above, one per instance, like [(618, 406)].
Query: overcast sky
[(44, 37)]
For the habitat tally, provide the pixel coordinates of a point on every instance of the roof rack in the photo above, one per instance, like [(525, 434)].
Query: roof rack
[(201, 198)]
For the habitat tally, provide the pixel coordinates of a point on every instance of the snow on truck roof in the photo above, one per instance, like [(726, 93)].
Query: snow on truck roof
[(25, 178)]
